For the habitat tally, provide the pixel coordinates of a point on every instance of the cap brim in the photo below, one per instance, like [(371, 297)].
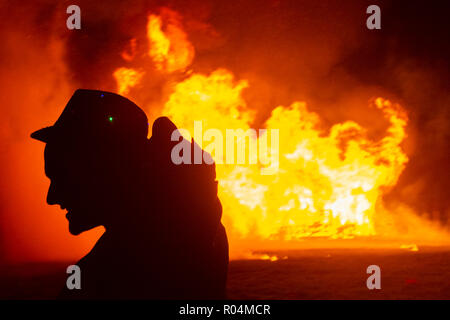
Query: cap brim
[(44, 134)]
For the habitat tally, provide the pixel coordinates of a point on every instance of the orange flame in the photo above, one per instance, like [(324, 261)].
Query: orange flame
[(127, 78), (329, 184)]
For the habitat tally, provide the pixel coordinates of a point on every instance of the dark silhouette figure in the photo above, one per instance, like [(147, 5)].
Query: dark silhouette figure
[(163, 238)]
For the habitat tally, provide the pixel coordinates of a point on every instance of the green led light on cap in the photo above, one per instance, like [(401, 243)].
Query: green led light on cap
[(86, 108)]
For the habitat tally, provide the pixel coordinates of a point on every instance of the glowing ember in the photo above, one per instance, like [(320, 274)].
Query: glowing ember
[(267, 257), (409, 247)]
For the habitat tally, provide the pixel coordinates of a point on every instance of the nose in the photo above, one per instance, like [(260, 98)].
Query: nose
[(52, 194)]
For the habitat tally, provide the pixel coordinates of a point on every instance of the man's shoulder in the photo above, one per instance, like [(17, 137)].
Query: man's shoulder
[(93, 270), (97, 254)]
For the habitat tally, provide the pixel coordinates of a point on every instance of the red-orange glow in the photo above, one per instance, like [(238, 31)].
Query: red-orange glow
[(346, 144)]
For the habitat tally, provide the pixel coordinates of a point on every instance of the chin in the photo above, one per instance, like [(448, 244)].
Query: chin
[(75, 228), (79, 223)]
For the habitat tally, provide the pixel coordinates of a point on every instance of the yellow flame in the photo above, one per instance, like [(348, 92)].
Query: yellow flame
[(327, 185), (169, 49), (127, 78)]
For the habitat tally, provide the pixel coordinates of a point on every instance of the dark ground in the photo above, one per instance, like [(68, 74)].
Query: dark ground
[(305, 274)]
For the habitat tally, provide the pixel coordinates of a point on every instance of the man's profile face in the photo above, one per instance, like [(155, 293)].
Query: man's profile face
[(75, 186)]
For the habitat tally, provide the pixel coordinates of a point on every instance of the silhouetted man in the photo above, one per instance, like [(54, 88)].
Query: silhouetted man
[(163, 237)]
